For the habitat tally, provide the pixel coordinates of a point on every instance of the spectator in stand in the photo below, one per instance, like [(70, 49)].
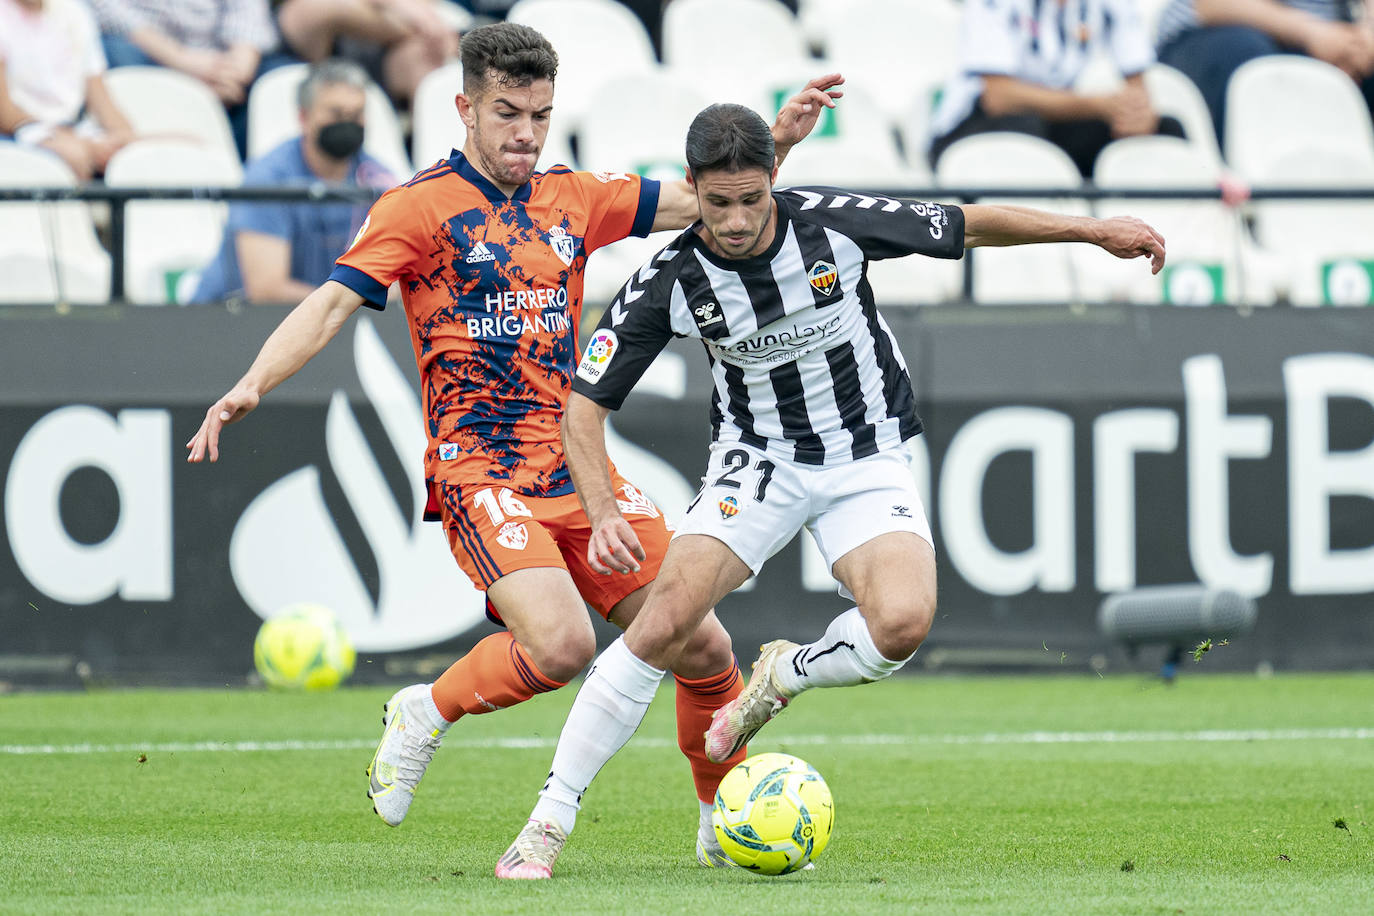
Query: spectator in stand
[(399, 41), (279, 252), (1019, 61), (219, 42), (1209, 39), (51, 68)]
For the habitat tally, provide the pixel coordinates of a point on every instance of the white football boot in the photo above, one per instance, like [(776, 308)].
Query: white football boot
[(408, 744), (736, 723), (534, 851)]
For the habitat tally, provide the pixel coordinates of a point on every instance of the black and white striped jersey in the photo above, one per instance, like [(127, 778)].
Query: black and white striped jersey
[(803, 365)]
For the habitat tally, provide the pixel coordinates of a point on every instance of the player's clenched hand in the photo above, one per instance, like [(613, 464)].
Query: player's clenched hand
[(614, 547), (231, 408), (1128, 237), (799, 115)]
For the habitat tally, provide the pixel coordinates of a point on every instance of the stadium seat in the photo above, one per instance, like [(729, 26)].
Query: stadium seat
[(583, 31), (1041, 273), (1173, 93), (48, 251), (898, 51), (639, 124), (273, 118), (435, 129), (167, 240), (608, 268), (165, 104), (726, 40), (1211, 259), (1325, 248), (1279, 103)]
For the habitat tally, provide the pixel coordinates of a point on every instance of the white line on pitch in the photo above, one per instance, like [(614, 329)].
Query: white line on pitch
[(1040, 737)]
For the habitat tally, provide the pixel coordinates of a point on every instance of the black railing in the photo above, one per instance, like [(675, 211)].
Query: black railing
[(119, 197)]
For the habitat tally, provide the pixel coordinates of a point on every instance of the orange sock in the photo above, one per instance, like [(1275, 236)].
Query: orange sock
[(696, 700), (497, 673)]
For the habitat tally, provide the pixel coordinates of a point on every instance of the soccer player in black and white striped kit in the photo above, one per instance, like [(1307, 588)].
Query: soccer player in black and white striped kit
[(812, 405)]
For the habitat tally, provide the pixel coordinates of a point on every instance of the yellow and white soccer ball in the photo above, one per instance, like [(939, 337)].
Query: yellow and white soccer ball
[(303, 648), (773, 814)]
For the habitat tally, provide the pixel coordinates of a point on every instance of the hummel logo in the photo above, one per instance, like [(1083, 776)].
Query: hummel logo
[(901, 512), (480, 253), (707, 314)]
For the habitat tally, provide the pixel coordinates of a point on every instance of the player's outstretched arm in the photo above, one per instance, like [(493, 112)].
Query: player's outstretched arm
[(1124, 236), (677, 202), (302, 334), (614, 547)]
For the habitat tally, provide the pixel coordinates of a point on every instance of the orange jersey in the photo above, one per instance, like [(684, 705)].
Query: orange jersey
[(492, 288)]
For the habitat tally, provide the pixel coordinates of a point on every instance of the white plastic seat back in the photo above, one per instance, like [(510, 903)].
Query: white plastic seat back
[(164, 104), (435, 129), (724, 40), (1282, 102), (165, 240), (1021, 274), (1209, 259), (639, 124), (898, 51), (1326, 248), (274, 117), (48, 251), (1173, 93)]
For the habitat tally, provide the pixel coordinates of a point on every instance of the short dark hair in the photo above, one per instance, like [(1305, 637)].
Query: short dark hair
[(731, 138), (518, 54)]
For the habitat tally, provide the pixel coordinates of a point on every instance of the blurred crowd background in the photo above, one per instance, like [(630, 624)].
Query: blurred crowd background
[(1218, 97)]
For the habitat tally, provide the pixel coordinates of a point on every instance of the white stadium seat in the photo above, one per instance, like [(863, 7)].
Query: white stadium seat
[(1279, 103), (435, 129), (273, 117), (167, 240), (164, 104), (48, 251), (1040, 273), (1325, 248), (608, 268), (896, 50), (639, 124), (1173, 93), (1210, 258), (721, 41)]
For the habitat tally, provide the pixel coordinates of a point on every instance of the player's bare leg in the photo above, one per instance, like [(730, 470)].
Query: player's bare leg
[(892, 577), (697, 572), (548, 640)]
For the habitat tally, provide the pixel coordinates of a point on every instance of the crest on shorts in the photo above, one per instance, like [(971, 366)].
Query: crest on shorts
[(562, 244), (823, 276), (729, 507), (635, 502), (513, 535)]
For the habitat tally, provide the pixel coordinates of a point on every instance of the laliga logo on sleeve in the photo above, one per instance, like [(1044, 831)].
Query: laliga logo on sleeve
[(823, 276), (598, 355)]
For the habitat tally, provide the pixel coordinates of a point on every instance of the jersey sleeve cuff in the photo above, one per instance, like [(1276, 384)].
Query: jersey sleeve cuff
[(601, 398), (648, 207), (373, 293)]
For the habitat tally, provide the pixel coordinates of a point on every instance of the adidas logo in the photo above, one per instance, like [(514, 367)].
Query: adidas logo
[(480, 253)]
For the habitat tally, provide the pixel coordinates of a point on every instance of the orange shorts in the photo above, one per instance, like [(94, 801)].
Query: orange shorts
[(494, 531)]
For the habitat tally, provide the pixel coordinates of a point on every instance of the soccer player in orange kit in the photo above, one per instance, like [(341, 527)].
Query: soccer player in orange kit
[(490, 256)]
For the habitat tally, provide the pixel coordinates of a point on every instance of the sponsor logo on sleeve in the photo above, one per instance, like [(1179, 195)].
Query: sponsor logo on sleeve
[(362, 230), (823, 276), (448, 451), (608, 177), (597, 357)]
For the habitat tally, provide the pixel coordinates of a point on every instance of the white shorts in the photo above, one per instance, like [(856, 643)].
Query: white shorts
[(755, 503)]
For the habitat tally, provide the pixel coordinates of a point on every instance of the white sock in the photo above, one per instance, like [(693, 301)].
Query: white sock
[(704, 822), (608, 709), (431, 712), (844, 656)]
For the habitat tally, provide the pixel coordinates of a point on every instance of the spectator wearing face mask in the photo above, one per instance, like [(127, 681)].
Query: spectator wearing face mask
[(279, 252)]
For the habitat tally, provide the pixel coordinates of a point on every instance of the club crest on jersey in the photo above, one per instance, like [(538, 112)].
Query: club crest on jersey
[(598, 355), (448, 451), (562, 244), (729, 507), (513, 536), (823, 276)]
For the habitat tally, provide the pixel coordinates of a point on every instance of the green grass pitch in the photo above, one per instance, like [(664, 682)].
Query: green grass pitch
[(1072, 794)]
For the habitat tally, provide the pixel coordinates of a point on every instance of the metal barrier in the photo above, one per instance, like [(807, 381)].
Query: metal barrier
[(118, 198)]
